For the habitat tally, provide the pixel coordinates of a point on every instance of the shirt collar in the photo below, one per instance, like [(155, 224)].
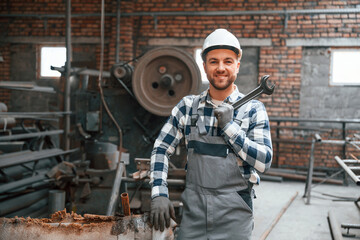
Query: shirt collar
[(205, 97)]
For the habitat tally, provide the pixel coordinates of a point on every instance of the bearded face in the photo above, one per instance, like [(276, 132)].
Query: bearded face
[(221, 68)]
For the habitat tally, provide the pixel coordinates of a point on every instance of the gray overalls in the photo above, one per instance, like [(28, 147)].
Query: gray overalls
[(213, 207)]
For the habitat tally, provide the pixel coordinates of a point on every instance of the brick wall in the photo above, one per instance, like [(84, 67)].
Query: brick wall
[(281, 61)]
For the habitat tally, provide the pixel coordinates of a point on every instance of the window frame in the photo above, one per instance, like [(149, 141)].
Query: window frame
[(331, 74), (40, 48)]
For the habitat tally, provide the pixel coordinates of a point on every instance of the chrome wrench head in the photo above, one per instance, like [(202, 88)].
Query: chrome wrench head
[(263, 83)]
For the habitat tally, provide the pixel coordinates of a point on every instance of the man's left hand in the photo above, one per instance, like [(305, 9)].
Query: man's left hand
[(224, 114)]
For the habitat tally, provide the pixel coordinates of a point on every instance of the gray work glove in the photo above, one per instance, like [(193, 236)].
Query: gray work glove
[(161, 211), (224, 114)]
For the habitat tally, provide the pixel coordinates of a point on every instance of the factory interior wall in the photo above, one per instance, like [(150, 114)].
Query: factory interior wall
[(298, 92)]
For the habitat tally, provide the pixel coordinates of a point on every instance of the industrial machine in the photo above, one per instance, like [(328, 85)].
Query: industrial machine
[(120, 122)]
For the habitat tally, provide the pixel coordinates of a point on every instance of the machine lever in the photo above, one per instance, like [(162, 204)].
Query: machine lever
[(262, 88)]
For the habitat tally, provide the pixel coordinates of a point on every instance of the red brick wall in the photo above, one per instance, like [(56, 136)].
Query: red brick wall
[(281, 61)]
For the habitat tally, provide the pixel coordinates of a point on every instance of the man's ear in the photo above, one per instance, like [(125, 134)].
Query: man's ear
[(238, 67)]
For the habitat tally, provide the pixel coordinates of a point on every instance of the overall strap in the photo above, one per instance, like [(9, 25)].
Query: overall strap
[(195, 118)]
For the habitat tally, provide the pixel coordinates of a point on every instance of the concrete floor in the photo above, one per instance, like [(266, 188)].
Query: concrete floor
[(301, 221)]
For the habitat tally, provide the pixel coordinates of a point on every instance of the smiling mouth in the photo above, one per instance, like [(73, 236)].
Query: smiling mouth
[(221, 76)]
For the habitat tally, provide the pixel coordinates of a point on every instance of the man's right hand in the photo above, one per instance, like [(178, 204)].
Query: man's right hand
[(161, 211)]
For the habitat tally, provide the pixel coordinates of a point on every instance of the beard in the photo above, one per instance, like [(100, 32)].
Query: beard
[(221, 86)]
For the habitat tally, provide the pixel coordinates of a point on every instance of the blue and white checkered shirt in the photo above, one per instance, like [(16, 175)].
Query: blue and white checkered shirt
[(248, 135)]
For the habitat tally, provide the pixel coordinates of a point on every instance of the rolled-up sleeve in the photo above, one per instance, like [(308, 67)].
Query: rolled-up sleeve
[(251, 139), (164, 146)]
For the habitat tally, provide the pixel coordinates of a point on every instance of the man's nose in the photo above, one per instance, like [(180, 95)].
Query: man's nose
[(221, 67)]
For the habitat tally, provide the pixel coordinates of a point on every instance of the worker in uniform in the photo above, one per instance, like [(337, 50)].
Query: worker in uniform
[(225, 149)]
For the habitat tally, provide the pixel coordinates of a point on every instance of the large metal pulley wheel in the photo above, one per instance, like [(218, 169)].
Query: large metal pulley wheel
[(162, 77)]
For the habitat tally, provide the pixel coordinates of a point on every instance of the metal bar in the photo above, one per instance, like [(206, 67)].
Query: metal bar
[(326, 179), (30, 135), (302, 128), (336, 120), (334, 227), (179, 182), (30, 210), (21, 183), (308, 184), (337, 142), (16, 114), (82, 71), (8, 160), (354, 168), (350, 225), (115, 189), (68, 73), (351, 161), (348, 170), (15, 204), (196, 13), (276, 220), (354, 145)]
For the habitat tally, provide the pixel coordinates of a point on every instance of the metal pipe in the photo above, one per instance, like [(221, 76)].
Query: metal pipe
[(197, 13), (336, 120), (25, 114), (125, 203), (117, 46), (21, 183), (83, 71), (175, 182), (30, 135), (115, 189), (30, 210), (355, 178), (56, 201), (68, 74), (310, 172), (334, 227), (15, 204)]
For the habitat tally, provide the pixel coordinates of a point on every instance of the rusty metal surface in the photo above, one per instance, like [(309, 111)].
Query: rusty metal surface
[(72, 226)]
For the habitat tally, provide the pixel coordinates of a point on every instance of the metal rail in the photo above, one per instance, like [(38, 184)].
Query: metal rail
[(317, 140), (194, 13), (21, 183), (10, 159), (348, 170), (30, 135), (277, 139)]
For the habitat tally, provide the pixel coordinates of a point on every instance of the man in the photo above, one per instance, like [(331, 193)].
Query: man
[(224, 146)]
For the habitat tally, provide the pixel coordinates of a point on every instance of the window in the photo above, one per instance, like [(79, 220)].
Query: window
[(51, 56), (344, 67), (199, 62)]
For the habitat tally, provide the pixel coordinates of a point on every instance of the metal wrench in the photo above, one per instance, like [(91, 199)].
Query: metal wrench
[(262, 88)]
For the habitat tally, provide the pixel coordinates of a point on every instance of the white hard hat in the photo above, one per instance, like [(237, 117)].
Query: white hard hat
[(221, 39)]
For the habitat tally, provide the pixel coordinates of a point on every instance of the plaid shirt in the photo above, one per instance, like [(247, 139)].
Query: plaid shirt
[(248, 135)]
